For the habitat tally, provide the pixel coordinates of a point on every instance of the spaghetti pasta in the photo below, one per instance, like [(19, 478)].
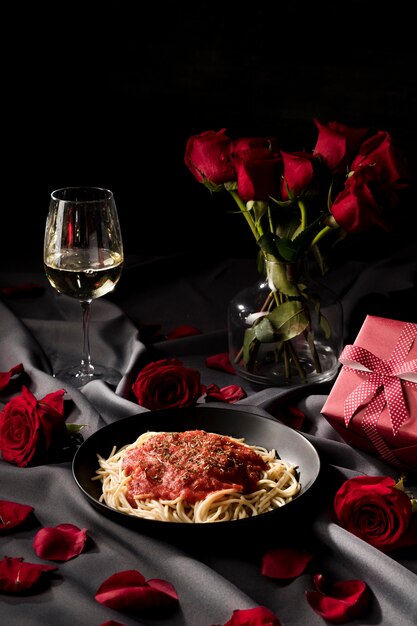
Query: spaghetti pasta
[(195, 477)]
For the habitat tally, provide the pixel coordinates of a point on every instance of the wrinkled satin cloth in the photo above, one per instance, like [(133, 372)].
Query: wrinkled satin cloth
[(44, 333)]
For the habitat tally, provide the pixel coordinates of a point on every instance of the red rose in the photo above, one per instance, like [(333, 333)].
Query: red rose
[(385, 159), (298, 172), (256, 166), (337, 143), (29, 428), (363, 203), (372, 508), (371, 191), (247, 148), (257, 179), (207, 157), (167, 384)]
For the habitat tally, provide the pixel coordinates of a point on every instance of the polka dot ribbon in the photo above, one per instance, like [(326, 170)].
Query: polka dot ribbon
[(384, 381)]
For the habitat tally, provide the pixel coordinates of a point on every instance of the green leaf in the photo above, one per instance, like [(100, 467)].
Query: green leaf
[(267, 244), (277, 275), (285, 322), (259, 208), (287, 249), (74, 428), (303, 240), (248, 339)]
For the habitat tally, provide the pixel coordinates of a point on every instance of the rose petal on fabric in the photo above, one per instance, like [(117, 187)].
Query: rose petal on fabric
[(290, 416), (259, 616), (129, 591), (23, 290), (13, 514), (283, 563), (17, 576), (220, 362), (183, 331), (230, 394), (338, 602), (60, 543), (5, 377)]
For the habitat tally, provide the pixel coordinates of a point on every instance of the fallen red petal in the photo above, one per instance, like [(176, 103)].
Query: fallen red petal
[(220, 362), (60, 543), (183, 331), (24, 290), (13, 514), (129, 591), (230, 394), (259, 616), (17, 576), (5, 377), (290, 416), (338, 602), (284, 563), (233, 393)]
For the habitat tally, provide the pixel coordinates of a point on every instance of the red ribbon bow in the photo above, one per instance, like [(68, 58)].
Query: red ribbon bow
[(384, 381)]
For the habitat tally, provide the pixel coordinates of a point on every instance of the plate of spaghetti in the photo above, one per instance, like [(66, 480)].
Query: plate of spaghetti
[(204, 467)]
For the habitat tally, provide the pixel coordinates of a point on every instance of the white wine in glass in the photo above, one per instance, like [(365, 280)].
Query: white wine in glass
[(83, 259)]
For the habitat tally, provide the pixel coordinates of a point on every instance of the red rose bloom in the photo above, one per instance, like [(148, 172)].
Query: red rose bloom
[(337, 143), (298, 172), (167, 384), (207, 157), (371, 191), (386, 160), (254, 148), (372, 508), (29, 428), (363, 203), (257, 179)]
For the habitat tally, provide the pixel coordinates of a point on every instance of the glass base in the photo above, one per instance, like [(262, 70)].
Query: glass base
[(77, 377), (268, 372), (268, 358)]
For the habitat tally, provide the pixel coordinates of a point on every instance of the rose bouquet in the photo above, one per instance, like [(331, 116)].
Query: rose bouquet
[(295, 204)]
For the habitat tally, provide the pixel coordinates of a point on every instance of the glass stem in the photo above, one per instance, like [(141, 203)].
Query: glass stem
[(87, 369)]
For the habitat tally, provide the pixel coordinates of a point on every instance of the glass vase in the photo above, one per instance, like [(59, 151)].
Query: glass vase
[(285, 330)]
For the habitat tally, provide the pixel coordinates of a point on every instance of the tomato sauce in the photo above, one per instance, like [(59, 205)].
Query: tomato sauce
[(190, 464)]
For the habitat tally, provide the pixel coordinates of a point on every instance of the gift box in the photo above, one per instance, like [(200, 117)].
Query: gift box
[(373, 402)]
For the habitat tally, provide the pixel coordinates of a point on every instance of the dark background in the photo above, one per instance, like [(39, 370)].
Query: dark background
[(109, 96)]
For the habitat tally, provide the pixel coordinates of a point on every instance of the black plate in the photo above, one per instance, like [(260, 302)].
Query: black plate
[(253, 424)]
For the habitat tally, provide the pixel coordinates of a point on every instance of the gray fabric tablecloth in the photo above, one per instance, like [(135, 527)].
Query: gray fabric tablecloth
[(155, 296)]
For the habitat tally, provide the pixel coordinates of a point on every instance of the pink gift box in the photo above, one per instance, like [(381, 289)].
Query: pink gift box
[(373, 402)]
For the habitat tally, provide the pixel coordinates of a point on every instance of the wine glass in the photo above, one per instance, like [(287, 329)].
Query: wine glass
[(83, 259)]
